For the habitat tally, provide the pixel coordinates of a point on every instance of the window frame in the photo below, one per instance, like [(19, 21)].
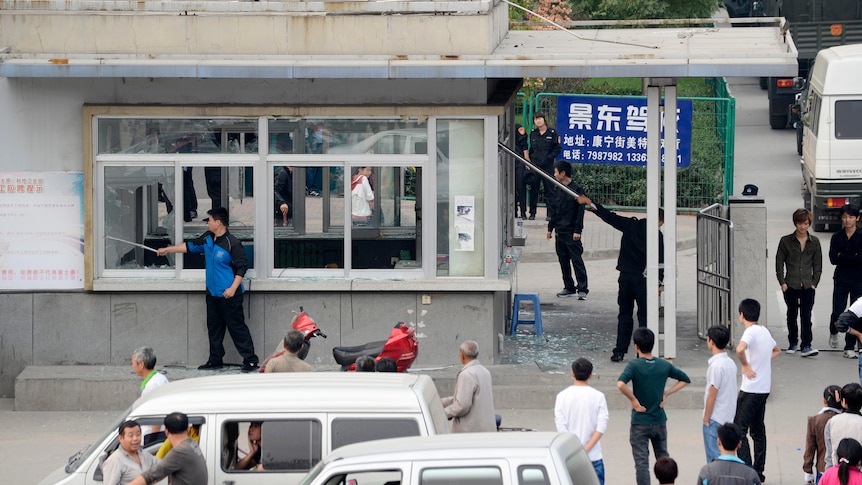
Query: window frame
[(264, 267)]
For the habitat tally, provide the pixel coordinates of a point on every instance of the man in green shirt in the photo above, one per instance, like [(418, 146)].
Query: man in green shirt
[(648, 376)]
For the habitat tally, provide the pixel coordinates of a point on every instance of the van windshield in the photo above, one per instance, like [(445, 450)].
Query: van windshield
[(847, 116), (82, 456)]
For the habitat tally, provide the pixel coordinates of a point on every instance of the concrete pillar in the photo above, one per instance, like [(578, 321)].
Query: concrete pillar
[(749, 276)]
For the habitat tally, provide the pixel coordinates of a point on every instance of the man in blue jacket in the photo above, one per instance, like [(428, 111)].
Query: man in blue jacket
[(226, 265)]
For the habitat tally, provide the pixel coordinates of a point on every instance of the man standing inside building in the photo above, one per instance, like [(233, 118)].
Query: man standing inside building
[(226, 264), (128, 461), (755, 352), (631, 264), (568, 221), (845, 252), (471, 409), (289, 361), (544, 150), (184, 464)]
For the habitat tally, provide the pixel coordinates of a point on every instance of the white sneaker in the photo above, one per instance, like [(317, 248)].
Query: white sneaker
[(833, 341), (850, 354)]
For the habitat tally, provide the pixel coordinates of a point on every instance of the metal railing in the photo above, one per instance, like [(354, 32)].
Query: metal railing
[(714, 270)]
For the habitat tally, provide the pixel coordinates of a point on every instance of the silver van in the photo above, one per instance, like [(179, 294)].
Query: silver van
[(463, 459), (303, 417)]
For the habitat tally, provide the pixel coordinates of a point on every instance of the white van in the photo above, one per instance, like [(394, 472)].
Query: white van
[(832, 135), (304, 416), (463, 459)]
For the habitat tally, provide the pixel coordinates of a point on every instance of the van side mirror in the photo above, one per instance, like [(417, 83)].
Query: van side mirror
[(98, 476), (799, 83)]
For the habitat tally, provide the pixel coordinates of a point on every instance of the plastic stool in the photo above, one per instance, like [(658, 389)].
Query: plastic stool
[(537, 312)]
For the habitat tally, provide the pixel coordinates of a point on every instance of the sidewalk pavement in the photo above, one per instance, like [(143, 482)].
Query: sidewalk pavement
[(574, 328)]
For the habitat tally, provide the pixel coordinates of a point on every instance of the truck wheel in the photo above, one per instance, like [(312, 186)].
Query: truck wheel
[(777, 122), (764, 83), (820, 227)]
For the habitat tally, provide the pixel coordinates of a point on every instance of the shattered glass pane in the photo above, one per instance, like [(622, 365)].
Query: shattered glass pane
[(138, 216)]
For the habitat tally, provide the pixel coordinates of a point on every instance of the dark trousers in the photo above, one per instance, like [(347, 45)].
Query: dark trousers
[(750, 412), (570, 253), (632, 290), (799, 301), (549, 192), (190, 198), (640, 436), (227, 313), (212, 175), (840, 293), (522, 185)]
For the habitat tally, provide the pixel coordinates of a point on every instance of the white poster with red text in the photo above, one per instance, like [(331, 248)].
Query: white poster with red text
[(41, 230)]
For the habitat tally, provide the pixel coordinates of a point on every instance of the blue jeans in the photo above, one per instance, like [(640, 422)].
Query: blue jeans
[(599, 466), (640, 436), (710, 440)]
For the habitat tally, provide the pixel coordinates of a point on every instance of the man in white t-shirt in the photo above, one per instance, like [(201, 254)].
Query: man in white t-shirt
[(583, 410), (755, 352), (719, 397), (144, 365)]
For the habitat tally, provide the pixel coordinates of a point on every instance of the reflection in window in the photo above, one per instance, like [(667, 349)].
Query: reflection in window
[(292, 445), (460, 198), (485, 475), (346, 431), (144, 135), (392, 136), (139, 209), (210, 187), (847, 116)]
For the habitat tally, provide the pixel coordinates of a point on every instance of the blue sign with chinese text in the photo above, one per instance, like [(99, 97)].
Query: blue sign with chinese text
[(613, 131)]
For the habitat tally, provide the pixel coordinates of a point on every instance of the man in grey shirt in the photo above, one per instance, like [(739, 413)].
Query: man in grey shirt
[(184, 464), (471, 409), (128, 460)]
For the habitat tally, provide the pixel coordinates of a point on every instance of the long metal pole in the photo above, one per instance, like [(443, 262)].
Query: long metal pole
[(536, 169)]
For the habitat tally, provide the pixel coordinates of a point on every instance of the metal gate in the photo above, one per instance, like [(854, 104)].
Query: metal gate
[(714, 269)]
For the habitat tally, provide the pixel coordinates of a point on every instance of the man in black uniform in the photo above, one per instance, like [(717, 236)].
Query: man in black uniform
[(522, 148), (544, 150), (631, 265), (568, 222), (845, 252)]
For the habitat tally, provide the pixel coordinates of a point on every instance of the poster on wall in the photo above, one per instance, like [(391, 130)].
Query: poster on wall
[(465, 221), (41, 230)]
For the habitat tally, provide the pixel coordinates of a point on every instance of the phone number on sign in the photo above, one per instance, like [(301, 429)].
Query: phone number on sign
[(617, 156)]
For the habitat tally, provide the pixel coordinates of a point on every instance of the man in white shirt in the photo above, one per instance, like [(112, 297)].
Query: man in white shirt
[(128, 460), (755, 352), (144, 366), (583, 410), (719, 397)]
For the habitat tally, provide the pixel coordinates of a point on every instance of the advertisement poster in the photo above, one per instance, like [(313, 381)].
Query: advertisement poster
[(41, 230), (465, 221), (613, 131)]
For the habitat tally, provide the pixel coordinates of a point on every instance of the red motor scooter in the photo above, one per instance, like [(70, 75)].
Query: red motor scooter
[(401, 346), (309, 329)]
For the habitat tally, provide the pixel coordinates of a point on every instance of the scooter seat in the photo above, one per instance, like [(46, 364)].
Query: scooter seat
[(348, 355)]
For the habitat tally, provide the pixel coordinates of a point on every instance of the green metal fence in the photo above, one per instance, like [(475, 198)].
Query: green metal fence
[(709, 178)]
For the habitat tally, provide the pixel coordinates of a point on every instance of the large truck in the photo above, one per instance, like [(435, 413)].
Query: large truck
[(813, 25), (832, 135)]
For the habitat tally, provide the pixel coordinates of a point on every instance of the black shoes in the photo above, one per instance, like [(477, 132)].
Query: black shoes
[(250, 367), (617, 358), (532, 217), (211, 366)]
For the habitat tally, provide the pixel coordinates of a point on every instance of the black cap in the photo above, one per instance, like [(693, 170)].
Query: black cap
[(218, 214)]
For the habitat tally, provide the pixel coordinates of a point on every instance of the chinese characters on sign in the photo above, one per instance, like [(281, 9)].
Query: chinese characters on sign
[(41, 231), (609, 130)]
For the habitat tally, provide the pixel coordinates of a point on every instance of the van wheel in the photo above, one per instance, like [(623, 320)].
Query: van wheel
[(764, 83), (778, 122)]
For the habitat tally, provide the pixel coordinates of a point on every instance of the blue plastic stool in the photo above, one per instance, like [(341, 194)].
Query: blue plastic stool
[(537, 312)]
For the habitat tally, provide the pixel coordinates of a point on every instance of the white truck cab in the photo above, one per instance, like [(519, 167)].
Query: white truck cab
[(832, 135), (304, 416), (465, 459)]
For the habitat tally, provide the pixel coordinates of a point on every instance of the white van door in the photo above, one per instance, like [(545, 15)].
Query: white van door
[(266, 448)]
